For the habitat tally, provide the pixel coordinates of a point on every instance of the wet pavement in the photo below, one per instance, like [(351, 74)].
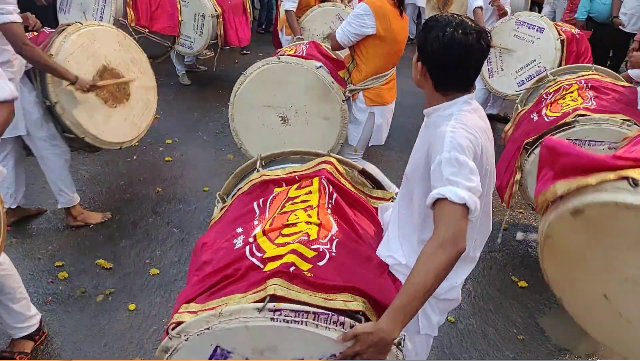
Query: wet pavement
[(160, 210)]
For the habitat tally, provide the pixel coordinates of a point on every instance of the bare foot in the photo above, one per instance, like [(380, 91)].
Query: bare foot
[(19, 214), (80, 217), (20, 345)]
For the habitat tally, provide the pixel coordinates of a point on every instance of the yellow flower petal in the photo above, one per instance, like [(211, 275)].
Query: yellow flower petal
[(230, 156), (205, 189), (156, 116), (63, 275), (109, 291), (59, 264), (515, 279), (168, 159), (158, 190), (136, 144), (523, 284), (520, 337), (99, 298), (451, 319), (154, 271), (132, 307), (505, 227), (104, 264), (168, 141)]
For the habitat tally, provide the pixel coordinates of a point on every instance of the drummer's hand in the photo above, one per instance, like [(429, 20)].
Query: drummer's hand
[(634, 47), (617, 22), (85, 85), (371, 341), (29, 20), (633, 61), (581, 24), (495, 3)]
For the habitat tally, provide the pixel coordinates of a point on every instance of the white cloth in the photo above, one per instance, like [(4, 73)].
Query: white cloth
[(18, 316), (181, 61), (453, 158), (47, 145), (418, 345), (8, 92), (419, 3), (359, 24), (412, 11), (630, 16), (489, 12), (491, 103), (634, 74), (554, 9)]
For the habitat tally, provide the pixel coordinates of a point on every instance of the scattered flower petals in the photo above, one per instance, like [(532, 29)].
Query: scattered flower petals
[(158, 190), (505, 227), (81, 291), (515, 279), (205, 189), (109, 291), (104, 264), (63, 275), (230, 157), (59, 264), (168, 159), (154, 271), (132, 307), (168, 141), (520, 337), (100, 298), (136, 144), (523, 284), (157, 116), (451, 319)]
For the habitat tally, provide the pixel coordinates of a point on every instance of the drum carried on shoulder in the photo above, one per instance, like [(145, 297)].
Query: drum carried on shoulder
[(114, 116)]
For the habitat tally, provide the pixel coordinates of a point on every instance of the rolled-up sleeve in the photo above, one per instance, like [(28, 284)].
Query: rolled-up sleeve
[(290, 5), (455, 177), (8, 92), (359, 24), (9, 12)]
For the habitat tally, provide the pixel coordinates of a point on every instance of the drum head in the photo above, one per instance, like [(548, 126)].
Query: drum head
[(70, 11), (529, 96), (321, 20), (434, 7), (279, 332), (526, 46), (589, 253), (197, 26), (308, 110), (596, 134), (114, 116)]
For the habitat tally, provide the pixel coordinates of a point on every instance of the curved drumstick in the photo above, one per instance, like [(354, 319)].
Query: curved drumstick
[(115, 81)]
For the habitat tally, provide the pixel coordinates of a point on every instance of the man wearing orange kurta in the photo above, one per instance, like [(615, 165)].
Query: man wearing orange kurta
[(288, 26), (375, 33)]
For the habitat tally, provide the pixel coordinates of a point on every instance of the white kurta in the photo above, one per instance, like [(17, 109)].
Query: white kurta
[(453, 158)]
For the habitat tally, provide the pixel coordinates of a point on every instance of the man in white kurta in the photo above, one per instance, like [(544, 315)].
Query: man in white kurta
[(436, 229), (33, 125), (554, 9)]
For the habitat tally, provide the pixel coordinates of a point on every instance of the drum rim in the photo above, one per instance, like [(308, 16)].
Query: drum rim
[(571, 201), (534, 143), (561, 73), (112, 15), (558, 51), (212, 14), (74, 126), (196, 325), (297, 62)]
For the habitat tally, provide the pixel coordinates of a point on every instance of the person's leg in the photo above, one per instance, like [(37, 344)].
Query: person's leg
[(482, 94), (620, 43), (271, 13), (549, 10), (262, 17), (600, 41), (181, 69), (412, 14)]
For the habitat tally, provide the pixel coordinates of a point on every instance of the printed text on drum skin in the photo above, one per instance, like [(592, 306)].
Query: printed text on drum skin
[(221, 353)]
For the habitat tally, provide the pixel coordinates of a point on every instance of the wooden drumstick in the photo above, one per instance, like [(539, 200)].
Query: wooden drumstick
[(501, 47), (114, 81)]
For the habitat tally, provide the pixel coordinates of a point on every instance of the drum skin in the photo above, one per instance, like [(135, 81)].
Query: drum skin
[(198, 26), (70, 11), (321, 20), (589, 253), (112, 117)]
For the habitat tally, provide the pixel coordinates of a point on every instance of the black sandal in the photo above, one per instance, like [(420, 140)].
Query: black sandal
[(37, 336)]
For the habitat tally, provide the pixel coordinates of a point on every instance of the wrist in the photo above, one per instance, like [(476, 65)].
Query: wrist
[(390, 325), (74, 80)]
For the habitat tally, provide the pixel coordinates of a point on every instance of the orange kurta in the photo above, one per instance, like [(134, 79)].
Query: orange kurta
[(381, 52), (303, 7)]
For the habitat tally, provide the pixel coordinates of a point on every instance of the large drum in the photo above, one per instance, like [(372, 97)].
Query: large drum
[(321, 20), (441, 6), (106, 11), (526, 46), (198, 26), (285, 279), (308, 110), (114, 116)]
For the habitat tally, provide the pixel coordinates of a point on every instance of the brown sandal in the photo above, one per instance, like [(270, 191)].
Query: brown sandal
[(37, 336)]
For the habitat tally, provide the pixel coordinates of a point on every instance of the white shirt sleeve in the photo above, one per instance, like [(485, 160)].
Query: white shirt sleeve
[(455, 177), (359, 24), (290, 5), (8, 92), (9, 12)]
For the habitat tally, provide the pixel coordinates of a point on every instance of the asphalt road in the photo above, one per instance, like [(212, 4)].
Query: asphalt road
[(158, 229)]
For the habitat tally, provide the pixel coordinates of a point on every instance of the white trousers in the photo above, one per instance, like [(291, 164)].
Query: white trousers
[(50, 150), (18, 316), (412, 11), (418, 344), (491, 103), (355, 153), (181, 61), (554, 9)]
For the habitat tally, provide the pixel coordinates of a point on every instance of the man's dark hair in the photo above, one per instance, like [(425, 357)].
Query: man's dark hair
[(453, 50)]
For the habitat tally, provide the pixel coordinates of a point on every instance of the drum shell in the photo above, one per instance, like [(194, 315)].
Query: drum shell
[(204, 19), (588, 250)]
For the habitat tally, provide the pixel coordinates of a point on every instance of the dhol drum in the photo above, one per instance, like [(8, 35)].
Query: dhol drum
[(70, 11), (588, 246), (596, 134), (321, 20), (114, 116), (434, 7), (309, 110), (300, 279), (526, 46), (198, 26)]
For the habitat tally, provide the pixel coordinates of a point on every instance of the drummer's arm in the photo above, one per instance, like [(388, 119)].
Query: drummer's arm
[(14, 33), (290, 7), (359, 24)]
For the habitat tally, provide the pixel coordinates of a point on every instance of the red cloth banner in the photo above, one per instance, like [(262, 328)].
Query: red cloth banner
[(40, 38), (312, 50), (308, 234), (575, 45), (160, 16), (565, 167), (569, 15), (589, 93)]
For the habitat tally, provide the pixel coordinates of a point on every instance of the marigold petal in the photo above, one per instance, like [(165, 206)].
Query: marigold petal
[(168, 141), (523, 284), (59, 264), (154, 271), (205, 189), (132, 307), (63, 275), (451, 319), (168, 159)]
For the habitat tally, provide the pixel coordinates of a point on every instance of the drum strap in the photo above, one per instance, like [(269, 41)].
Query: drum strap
[(372, 82)]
